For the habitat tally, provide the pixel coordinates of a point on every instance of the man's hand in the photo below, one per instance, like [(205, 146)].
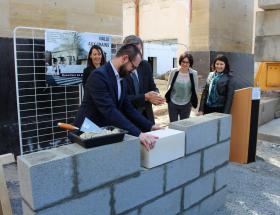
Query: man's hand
[(148, 140), (154, 98), (156, 127), (199, 113)]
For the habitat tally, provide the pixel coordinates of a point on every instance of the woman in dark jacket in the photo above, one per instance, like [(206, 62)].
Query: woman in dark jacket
[(96, 58), (219, 89)]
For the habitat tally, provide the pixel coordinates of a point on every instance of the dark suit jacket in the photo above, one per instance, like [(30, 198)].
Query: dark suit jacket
[(146, 82), (100, 103), (86, 74), (225, 88)]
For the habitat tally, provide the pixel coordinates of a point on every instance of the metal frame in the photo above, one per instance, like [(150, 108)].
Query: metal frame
[(46, 136)]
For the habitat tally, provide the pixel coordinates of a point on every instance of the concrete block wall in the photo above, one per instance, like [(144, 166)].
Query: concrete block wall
[(267, 31), (110, 179)]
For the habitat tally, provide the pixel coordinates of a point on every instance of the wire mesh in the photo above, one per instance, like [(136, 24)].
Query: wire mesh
[(40, 107)]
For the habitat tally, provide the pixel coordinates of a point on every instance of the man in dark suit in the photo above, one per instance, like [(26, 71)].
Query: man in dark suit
[(105, 99), (141, 88)]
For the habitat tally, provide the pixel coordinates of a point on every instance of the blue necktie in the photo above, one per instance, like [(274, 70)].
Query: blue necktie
[(135, 83)]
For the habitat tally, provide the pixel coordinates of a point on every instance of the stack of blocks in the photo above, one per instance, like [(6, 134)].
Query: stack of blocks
[(110, 179), (267, 43)]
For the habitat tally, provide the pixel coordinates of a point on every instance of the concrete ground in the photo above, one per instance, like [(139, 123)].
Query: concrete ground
[(255, 188), (270, 131)]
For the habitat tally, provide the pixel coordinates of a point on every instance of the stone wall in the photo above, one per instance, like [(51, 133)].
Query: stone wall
[(101, 16), (110, 179)]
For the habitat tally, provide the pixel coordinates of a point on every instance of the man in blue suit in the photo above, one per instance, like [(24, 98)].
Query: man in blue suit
[(105, 100)]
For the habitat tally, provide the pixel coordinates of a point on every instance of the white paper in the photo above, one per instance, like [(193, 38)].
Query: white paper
[(256, 93)]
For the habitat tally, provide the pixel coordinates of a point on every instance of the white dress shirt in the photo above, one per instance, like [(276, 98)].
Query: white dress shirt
[(119, 79)]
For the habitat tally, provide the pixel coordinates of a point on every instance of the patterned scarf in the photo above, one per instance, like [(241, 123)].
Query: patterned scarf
[(213, 95)]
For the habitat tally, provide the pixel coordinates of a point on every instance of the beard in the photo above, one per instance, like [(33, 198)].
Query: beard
[(123, 72)]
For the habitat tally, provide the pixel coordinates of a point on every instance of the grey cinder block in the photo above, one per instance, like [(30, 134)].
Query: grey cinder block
[(45, 177), (168, 204), (267, 23), (94, 203), (200, 132), (213, 203), (225, 124), (222, 177), (135, 191), (225, 128), (193, 211), (215, 156), (182, 170), (198, 190), (99, 165), (267, 48)]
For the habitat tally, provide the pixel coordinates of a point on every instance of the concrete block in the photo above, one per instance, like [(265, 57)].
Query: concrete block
[(100, 165), (270, 131), (225, 128), (267, 23), (135, 191), (222, 177), (216, 156), (268, 107), (267, 48), (193, 128), (169, 146), (198, 190), (94, 203), (213, 203), (225, 124), (193, 211), (269, 4), (45, 177), (135, 212), (168, 204), (182, 170)]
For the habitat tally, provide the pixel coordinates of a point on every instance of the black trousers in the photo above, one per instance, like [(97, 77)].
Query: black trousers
[(182, 111), (208, 109)]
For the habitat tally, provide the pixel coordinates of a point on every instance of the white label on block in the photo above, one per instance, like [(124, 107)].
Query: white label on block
[(256, 93), (170, 146)]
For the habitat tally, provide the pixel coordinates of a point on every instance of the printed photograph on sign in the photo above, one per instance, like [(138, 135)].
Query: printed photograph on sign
[(67, 53)]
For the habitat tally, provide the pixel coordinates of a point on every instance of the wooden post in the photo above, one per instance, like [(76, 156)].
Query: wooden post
[(136, 17), (244, 131)]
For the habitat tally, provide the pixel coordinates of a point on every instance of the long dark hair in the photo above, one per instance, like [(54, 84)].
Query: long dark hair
[(89, 61), (223, 59)]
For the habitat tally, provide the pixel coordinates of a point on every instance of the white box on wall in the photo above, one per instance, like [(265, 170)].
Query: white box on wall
[(170, 146)]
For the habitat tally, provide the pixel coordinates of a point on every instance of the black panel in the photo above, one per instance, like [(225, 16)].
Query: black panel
[(253, 136)]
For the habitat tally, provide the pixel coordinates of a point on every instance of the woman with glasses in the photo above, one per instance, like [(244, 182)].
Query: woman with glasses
[(181, 89), (219, 89)]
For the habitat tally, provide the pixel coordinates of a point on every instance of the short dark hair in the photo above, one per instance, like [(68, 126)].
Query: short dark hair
[(128, 49), (186, 55), (133, 39), (89, 61), (224, 59)]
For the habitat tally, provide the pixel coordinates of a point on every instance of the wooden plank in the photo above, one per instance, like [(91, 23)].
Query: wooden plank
[(240, 130), (5, 204)]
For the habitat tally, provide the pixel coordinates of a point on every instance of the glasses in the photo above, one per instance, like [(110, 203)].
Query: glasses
[(133, 66), (186, 62)]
